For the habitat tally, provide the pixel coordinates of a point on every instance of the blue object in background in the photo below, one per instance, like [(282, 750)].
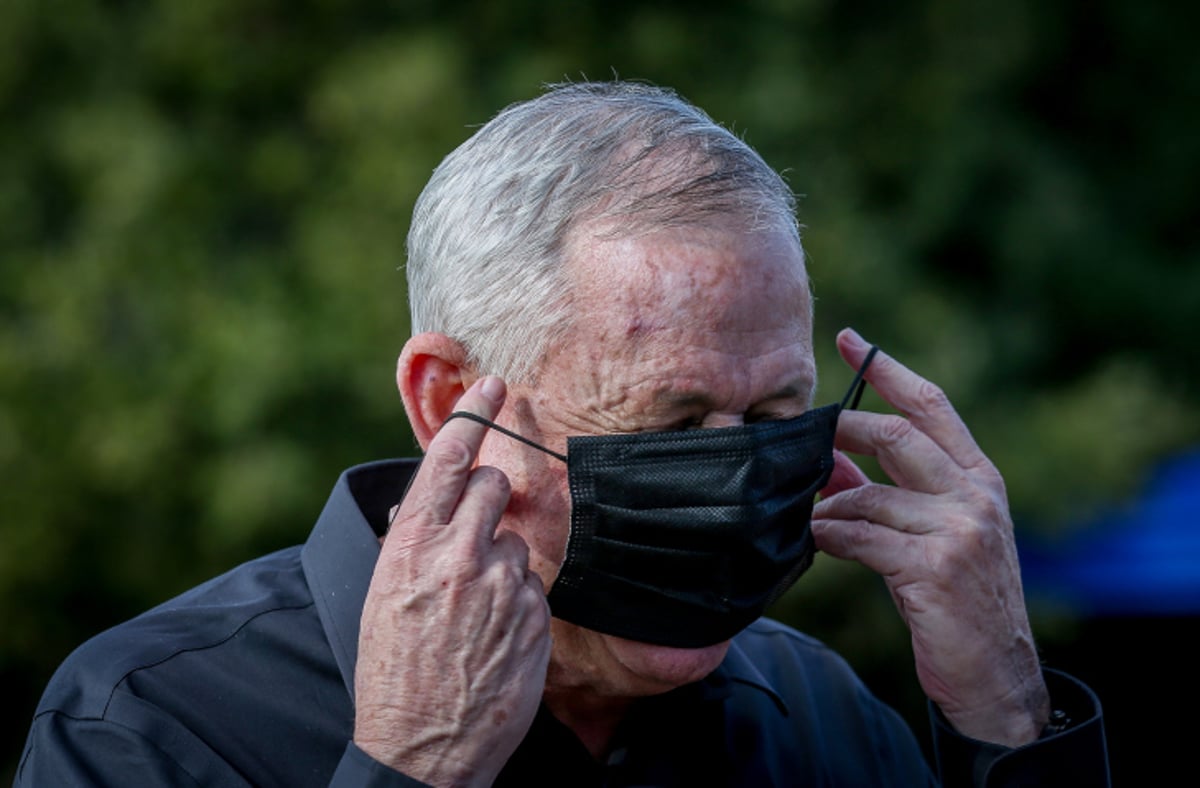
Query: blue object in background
[(1139, 559)]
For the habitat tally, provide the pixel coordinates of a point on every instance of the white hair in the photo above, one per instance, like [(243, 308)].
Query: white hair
[(490, 229)]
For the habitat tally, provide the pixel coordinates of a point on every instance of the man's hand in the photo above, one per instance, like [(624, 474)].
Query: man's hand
[(943, 541), (455, 630)]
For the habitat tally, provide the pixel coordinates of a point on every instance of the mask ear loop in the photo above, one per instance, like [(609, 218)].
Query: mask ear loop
[(463, 414), (859, 384)]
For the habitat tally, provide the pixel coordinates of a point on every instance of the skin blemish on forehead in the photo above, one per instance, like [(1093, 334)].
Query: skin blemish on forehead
[(702, 323)]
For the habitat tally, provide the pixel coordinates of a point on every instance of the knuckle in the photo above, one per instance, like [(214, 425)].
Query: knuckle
[(499, 576), (931, 397), (869, 497), (993, 510), (978, 537), (990, 475), (450, 454), (893, 430), (864, 501), (988, 508), (533, 581), (514, 576), (973, 534), (513, 546), (857, 535), (493, 478), (534, 597)]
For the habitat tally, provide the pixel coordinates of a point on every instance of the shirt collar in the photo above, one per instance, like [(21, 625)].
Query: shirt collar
[(739, 668), (340, 554)]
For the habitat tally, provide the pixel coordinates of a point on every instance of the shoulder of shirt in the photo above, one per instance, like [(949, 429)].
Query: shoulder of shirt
[(771, 636), (790, 665), (204, 617)]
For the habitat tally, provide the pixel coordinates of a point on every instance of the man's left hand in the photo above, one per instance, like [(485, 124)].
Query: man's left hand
[(942, 539)]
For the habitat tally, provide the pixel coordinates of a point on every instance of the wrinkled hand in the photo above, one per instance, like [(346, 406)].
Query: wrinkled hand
[(942, 539), (455, 629)]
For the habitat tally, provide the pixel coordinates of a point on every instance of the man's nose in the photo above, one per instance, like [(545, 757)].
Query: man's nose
[(713, 420)]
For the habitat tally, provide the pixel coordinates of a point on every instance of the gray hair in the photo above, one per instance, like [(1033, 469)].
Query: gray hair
[(490, 229)]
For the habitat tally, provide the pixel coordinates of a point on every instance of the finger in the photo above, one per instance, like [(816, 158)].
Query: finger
[(886, 551), (534, 582), (512, 553), (442, 476), (479, 509), (512, 549), (535, 623), (907, 455), (922, 401), (893, 507)]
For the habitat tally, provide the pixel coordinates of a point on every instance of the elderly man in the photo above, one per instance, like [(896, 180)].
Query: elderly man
[(611, 376)]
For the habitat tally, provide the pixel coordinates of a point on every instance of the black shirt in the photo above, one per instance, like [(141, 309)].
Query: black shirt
[(248, 680)]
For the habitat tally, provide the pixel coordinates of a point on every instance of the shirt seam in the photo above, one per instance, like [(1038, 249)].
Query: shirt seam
[(108, 721), (117, 684)]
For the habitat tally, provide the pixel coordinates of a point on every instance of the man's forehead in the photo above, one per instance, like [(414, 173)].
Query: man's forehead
[(700, 316), (658, 278)]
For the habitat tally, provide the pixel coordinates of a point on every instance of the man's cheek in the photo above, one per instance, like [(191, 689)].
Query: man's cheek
[(541, 514)]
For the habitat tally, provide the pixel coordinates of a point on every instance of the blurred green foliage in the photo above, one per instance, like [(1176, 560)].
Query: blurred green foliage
[(203, 208)]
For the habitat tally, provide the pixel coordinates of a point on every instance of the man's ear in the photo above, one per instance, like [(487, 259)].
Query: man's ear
[(432, 373)]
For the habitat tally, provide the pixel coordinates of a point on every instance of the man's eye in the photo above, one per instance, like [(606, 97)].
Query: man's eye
[(752, 418)]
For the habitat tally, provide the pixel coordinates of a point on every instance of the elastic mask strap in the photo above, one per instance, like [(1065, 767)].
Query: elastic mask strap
[(462, 414), (859, 383), (851, 400)]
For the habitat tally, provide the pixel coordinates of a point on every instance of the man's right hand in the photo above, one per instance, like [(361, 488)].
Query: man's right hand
[(455, 634)]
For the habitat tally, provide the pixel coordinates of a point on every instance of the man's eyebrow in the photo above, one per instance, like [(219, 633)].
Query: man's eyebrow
[(688, 399), (803, 391), (787, 392)]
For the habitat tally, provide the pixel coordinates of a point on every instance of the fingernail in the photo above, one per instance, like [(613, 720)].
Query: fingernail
[(854, 338), (492, 388)]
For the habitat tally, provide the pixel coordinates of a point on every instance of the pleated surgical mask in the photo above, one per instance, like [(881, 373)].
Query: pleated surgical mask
[(684, 538)]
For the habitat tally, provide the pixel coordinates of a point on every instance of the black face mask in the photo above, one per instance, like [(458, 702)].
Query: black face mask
[(684, 538)]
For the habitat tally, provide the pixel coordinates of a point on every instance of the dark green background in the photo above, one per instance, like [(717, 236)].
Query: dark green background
[(202, 213)]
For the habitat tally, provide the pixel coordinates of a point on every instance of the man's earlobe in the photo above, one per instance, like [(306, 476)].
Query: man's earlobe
[(431, 375)]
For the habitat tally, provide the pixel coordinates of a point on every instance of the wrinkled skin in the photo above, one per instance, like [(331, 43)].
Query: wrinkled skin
[(942, 539), (700, 327), (444, 700)]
